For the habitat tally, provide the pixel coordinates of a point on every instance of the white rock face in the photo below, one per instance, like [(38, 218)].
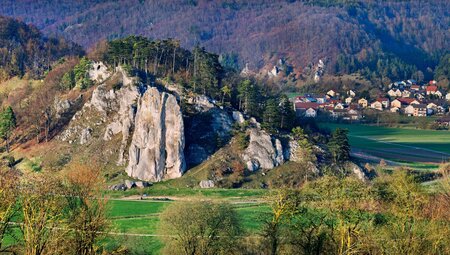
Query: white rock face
[(99, 72), (238, 117), (124, 120), (156, 150), (263, 151)]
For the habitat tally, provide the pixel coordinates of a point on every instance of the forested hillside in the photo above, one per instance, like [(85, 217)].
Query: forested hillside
[(382, 39), (24, 50)]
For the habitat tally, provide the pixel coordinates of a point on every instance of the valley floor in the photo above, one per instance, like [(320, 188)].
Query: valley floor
[(419, 149)]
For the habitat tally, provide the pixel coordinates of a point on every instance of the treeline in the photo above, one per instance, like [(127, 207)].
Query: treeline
[(24, 50), (200, 71), (392, 215), (411, 30)]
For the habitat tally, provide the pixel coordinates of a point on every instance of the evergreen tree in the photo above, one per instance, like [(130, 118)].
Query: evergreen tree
[(271, 115), (339, 145), (7, 125), (287, 114)]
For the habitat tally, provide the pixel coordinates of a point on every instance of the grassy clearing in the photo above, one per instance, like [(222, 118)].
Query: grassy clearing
[(406, 146), (132, 217)]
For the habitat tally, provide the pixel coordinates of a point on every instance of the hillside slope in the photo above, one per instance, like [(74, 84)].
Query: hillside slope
[(413, 33)]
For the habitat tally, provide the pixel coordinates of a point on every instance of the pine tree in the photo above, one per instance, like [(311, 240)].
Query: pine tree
[(339, 145), (287, 113), (7, 125), (271, 115)]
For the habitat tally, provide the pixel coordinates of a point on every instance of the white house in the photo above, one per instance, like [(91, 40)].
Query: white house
[(377, 105), (351, 93), (394, 93), (406, 93), (311, 113), (348, 100), (331, 93)]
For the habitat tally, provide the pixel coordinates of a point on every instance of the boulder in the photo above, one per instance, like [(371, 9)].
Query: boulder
[(238, 117), (143, 184), (130, 184), (263, 151), (206, 184), (157, 144), (86, 135), (99, 72), (118, 187)]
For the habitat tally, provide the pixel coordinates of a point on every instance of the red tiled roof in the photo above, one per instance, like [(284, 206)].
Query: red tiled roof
[(406, 100), (432, 88), (382, 99), (302, 105)]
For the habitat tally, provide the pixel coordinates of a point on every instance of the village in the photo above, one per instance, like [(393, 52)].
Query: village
[(404, 97)]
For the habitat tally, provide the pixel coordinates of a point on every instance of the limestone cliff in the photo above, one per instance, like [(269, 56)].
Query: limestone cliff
[(263, 151), (156, 150), (148, 121)]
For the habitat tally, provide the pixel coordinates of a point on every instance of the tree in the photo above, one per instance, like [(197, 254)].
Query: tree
[(305, 151), (86, 214), (339, 145), (283, 204), (287, 113), (226, 92), (247, 94), (42, 209), (200, 228), (271, 115), (7, 125), (8, 203)]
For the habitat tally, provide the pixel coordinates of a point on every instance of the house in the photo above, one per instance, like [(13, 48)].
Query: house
[(351, 93), (406, 93), (339, 106), (420, 96), (419, 110), (396, 104), (439, 94), (363, 102), (331, 93), (399, 102), (411, 82), (415, 87), (432, 106), (409, 110), (336, 113), (394, 109), (348, 100), (394, 93), (305, 108), (431, 89), (310, 113), (384, 101), (377, 105)]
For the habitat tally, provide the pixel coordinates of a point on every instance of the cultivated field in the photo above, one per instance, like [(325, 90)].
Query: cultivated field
[(135, 223), (417, 147)]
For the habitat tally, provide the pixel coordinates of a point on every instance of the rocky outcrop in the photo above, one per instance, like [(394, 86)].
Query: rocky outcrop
[(123, 121), (206, 184), (99, 72), (156, 150), (208, 128), (263, 151), (149, 121)]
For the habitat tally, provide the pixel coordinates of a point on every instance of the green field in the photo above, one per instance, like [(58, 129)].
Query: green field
[(135, 221), (405, 146)]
